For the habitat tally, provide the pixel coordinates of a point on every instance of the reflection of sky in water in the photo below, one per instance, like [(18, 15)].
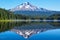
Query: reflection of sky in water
[(48, 35), (10, 36)]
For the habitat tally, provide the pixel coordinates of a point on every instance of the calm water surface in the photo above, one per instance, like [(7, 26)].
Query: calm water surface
[(47, 31)]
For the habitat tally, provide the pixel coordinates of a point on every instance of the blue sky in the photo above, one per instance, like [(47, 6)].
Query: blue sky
[(48, 4)]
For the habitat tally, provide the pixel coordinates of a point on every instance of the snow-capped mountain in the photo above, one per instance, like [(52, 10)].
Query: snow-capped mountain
[(31, 10), (27, 7)]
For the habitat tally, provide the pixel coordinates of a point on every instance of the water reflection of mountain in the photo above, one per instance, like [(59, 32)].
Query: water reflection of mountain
[(30, 29), (10, 25), (26, 27)]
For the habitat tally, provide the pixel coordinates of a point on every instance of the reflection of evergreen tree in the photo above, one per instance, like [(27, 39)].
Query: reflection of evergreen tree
[(9, 25)]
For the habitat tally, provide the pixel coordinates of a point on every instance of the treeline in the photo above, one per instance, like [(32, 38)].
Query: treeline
[(7, 15)]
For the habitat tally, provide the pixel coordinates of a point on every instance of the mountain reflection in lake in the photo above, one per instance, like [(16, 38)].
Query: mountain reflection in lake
[(47, 35), (28, 28)]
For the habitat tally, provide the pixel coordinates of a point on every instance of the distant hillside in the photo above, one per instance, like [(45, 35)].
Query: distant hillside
[(31, 10)]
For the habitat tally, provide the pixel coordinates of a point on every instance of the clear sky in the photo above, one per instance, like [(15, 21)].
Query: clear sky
[(48, 4)]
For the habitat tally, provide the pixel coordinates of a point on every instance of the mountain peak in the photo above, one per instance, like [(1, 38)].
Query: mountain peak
[(26, 6), (27, 3)]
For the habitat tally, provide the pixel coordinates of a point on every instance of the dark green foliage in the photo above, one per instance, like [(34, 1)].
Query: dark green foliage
[(7, 15)]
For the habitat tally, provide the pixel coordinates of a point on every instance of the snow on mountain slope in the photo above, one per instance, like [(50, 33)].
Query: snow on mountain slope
[(27, 7)]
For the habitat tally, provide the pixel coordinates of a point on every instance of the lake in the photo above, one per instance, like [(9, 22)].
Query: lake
[(30, 30)]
